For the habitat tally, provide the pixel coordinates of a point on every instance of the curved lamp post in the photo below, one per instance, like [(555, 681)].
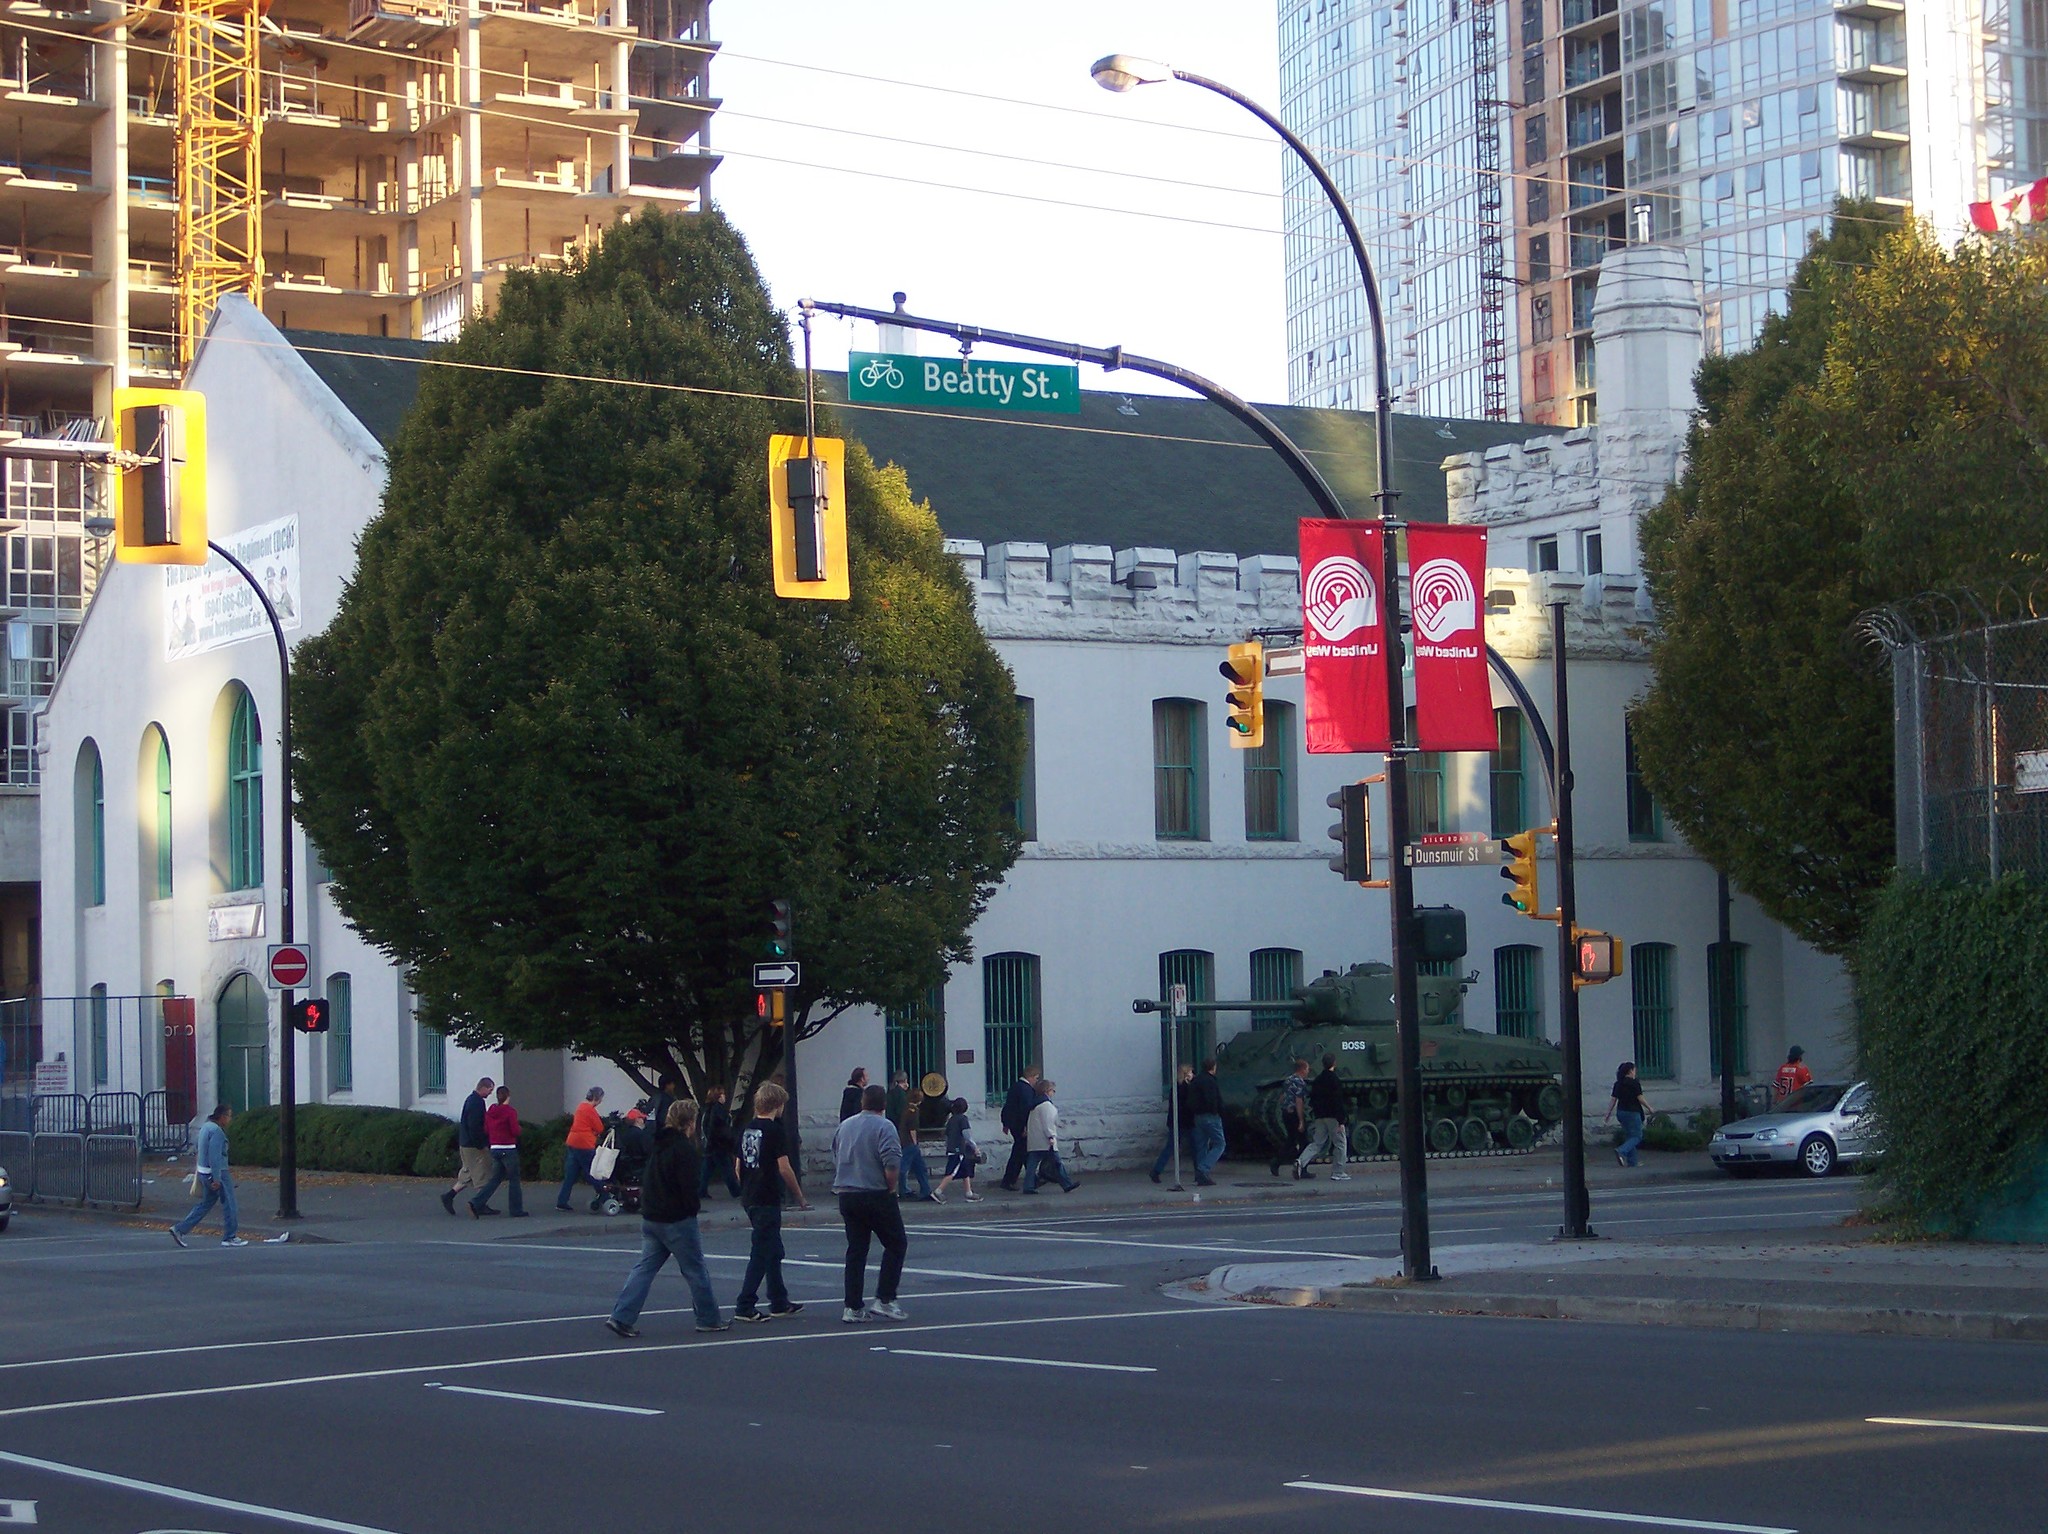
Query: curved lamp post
[(1122, 72)]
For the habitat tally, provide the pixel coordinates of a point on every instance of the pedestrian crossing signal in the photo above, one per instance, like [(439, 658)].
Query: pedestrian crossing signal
[(309, 1016), (160, 505)]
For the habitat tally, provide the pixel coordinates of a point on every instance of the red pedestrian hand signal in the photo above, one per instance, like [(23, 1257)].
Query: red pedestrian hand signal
[(290, 964)]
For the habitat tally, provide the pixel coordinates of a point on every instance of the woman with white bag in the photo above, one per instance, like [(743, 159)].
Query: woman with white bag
[(579, 1163)]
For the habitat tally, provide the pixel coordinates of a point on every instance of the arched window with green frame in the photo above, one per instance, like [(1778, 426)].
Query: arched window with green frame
[(156, 861), (245, 796)]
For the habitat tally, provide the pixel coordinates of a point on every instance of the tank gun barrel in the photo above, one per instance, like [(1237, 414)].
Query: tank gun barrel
[(1281, 1004)]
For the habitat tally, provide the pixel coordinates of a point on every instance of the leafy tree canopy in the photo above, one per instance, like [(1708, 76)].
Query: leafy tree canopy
[(562, 744), (1884, 438)]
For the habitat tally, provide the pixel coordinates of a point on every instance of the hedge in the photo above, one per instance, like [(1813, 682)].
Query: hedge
[(393, 1141), (1952, 985)]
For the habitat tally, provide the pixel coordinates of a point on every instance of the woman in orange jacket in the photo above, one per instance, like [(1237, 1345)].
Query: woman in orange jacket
[(584, 1131)]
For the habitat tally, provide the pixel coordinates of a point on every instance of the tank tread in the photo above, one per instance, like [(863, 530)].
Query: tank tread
[(1483, 1086)]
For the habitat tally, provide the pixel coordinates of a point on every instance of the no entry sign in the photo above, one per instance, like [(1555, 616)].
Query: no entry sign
[(289, 966)]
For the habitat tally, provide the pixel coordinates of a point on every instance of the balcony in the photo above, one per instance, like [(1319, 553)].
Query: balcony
[(1591, 181), (400, 23), (1872, 8), (1873, 117), (1584, 13), (1589, 60), (1590, 122), (1872, 53), (562, 178)]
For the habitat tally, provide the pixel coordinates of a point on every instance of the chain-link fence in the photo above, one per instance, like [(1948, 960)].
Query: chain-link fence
[(1970, 710)]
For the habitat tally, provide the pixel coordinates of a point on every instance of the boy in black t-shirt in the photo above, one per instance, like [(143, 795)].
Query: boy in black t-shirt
[(764, 1172)]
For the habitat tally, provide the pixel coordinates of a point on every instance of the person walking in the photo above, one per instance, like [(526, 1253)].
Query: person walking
[(1627, 1108), (1793, 1074), (666, 1091), (579, 1149), (718, 1144), (210, 1170), (903, 1114), (1017, 1106), (1205, 1097), (1183, 1125), (865, 1159), (765, 1174), (1293, 1121), (668, 1227), (472, 1146), (851, 1094), (501, 1129), (962, 1154), (1331, 1133), (1042, 1140)]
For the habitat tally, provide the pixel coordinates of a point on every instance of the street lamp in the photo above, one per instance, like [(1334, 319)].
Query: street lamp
[(1122, 72)]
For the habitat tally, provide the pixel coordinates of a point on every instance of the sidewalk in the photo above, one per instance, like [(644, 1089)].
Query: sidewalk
[(1749, 1282), (342, 1206)]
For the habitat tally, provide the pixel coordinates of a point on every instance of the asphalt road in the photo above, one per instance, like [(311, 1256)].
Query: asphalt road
[(1043, 1382)]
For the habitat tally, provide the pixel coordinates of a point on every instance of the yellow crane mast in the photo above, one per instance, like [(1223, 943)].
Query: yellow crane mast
[(219, 159)]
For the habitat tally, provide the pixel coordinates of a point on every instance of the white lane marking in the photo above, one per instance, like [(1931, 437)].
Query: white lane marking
[(740, 1258), (1042, 1363), (514, 1395), (1977, 1427), (1389, 1494), (17, 1512), (617, 1350), (1060, 1237), (196, 1499)]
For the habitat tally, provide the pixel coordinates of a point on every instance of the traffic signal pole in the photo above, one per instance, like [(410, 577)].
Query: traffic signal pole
[(288, 1037), (1578, 1212)]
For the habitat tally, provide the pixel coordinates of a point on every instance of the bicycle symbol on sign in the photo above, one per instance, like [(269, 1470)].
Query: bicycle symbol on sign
[(881, 373)]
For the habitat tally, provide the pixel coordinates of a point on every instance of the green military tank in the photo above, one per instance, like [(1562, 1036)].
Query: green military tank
[(1482, 1093)]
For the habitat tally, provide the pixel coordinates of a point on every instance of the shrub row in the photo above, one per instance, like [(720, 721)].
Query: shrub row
[(395, 1142)]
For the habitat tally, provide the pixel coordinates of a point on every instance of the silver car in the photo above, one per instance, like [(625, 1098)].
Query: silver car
[(1818, 1128)]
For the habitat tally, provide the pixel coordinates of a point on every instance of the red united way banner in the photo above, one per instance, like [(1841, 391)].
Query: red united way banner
[(1343, 636), (1453, 694)]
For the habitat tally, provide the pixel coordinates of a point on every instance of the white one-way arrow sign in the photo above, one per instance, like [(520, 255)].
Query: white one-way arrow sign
[(782, 975)]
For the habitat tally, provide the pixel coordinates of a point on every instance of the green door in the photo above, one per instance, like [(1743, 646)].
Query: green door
[(241, 1031)]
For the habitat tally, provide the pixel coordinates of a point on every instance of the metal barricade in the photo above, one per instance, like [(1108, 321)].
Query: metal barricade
[(114, 1113), (113, 1171), (18, 1156), (59, 1169), (166, 1123), (60, 1113)]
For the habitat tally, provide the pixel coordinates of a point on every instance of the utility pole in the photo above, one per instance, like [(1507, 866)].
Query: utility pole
[(1724, 997), (1577, 1204)]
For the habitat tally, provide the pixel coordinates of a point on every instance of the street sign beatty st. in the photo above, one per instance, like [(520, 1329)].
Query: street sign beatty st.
[(961, 383)]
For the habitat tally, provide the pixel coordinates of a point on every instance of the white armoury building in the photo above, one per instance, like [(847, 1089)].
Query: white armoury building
[(1155, 853)]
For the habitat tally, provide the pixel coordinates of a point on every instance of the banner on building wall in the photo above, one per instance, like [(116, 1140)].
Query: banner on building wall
[(208, 606), (1343, 636), (1447, 613)]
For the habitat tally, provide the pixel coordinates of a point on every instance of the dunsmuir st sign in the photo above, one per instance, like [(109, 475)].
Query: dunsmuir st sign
[(887, 378)]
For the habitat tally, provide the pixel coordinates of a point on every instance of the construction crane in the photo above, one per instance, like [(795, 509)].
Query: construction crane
[(219, 159)]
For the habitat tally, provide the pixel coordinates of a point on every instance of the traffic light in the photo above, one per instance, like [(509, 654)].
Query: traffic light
[(1352, 833), (1439, 933), (1599, 957), (310, 1015), (1520, 852), (807, 517), (781, 930), (160, 506), (1246, 673)]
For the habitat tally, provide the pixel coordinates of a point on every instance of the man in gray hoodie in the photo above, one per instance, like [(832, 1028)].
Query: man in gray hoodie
[(866, 1157), (215, 1185)]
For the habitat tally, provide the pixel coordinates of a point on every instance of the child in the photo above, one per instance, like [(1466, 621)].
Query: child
[(961, 1154)]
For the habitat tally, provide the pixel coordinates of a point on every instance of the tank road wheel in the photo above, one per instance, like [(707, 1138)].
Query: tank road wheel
[(1521, 1134), (1377, 1099), (1454, 1098), (1443, 1136), (1550, 1102), (1365, 1141), (1473, 1135), (1389, 1131)]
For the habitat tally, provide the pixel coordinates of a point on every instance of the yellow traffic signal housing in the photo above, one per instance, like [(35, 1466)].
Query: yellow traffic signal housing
[(1597, 959), (1520, 852), (1246, 673), (160, 507), (807, 517)]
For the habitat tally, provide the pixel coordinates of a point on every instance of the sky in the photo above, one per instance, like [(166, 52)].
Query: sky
[(959, 152)]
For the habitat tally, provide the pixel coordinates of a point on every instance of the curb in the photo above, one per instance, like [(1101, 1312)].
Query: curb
[(1943, 1325)]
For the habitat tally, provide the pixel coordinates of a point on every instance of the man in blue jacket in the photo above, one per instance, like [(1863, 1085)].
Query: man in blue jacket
[(473, 1146), (215, 1185), (1017, 1106)]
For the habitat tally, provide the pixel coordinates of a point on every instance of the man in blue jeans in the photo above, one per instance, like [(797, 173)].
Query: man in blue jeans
[(215, 1185), (764, 1173), (668, 1226), (1205, 1097)]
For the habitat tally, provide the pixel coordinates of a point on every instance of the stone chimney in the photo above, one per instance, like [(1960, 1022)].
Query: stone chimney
[(1646, 341)]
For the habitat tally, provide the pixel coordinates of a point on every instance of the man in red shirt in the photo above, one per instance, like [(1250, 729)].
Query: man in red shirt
[(501, 1128), (1793, 1075)]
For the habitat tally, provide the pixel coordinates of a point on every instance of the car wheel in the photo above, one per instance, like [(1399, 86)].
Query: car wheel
[(1817, 1155)]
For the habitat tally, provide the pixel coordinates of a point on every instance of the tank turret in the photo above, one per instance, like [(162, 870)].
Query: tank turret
[(1482, 1093)]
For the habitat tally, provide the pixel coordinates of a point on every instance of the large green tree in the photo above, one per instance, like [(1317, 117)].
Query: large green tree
[(562, 744), (1882, 439)]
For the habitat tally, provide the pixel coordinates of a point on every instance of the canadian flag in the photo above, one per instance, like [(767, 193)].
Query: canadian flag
[(2029, 205)]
